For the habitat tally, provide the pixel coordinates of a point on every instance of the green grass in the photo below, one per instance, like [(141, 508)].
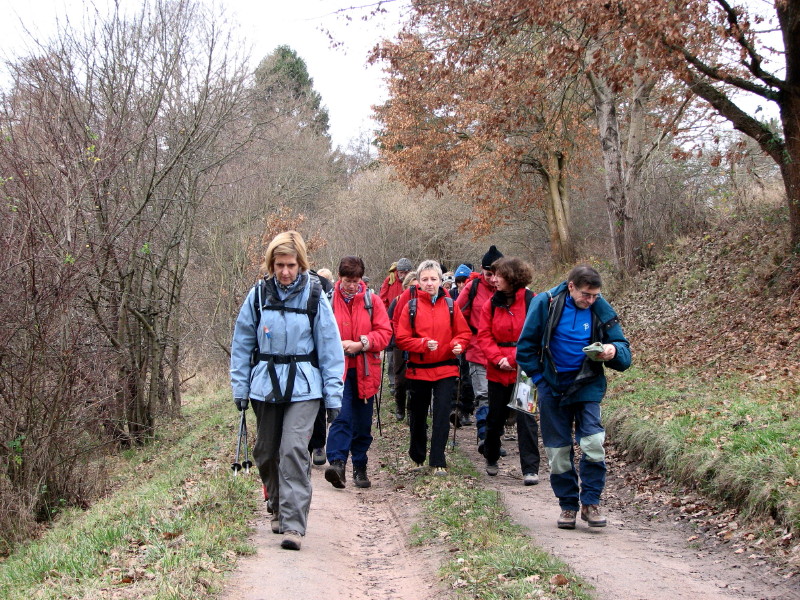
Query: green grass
[(174, 525), (490, 557), (735, 439)]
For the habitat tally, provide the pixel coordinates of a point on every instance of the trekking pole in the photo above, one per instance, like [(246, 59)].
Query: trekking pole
[(380, 393), (458, 403), (246, 464), (236, 466)]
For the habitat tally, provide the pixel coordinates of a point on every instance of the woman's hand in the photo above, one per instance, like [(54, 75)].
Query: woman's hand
[(504, 365), (352, 347), (457, 349), (433, 345)]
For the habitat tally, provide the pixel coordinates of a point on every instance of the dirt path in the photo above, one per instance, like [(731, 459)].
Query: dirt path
[(637, 556), (357, 545)]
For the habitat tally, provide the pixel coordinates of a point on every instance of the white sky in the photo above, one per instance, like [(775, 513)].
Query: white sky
[(347, 85)]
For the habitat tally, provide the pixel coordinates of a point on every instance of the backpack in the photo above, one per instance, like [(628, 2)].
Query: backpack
[(412, 308)]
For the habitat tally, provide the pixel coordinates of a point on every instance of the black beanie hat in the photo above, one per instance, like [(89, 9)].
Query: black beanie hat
[(492, 255)]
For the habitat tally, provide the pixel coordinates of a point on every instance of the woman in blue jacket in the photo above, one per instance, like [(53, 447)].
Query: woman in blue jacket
[(286, 357)]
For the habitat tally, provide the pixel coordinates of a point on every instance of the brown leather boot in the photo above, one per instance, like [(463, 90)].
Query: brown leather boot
[(591, 514)]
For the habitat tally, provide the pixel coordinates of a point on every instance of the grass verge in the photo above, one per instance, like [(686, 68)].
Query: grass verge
[(735, 439), (173, 527), (490, 557)]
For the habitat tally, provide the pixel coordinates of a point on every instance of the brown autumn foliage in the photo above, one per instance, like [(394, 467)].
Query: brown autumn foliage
[(478, 126), (514, 97), (723, 51)]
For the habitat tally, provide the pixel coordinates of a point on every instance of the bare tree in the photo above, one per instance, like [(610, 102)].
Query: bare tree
[(112, 141)]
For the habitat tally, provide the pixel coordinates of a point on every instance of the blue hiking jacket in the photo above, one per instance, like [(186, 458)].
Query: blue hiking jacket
[(534, 353), (288, 333)]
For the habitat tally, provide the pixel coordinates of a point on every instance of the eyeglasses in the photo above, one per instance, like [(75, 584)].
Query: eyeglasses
[(587, 295)]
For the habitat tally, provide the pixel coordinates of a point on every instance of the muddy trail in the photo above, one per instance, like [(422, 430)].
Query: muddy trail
[(658, 544)]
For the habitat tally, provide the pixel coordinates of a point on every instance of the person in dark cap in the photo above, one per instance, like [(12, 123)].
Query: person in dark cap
[(471, 300)]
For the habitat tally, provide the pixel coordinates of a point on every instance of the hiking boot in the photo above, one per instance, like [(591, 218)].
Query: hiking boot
[(335, 474), (318, 456), (466, 420), (480, 447), (291, 540), (455, 421), (591, 514), (503, 451), (440, 471), (275, 524), (566, 520), (400, 415), (530, 479), (360, 478), (418, 467), (492, 469)]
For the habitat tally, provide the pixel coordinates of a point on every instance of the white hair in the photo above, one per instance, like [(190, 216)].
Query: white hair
[(430, 265)]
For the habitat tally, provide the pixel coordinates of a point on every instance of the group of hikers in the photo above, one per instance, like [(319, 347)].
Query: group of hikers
[(307, 352)]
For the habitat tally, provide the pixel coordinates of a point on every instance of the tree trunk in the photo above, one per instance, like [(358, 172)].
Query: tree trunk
[(616, 200), (557, 208), (790, 166)]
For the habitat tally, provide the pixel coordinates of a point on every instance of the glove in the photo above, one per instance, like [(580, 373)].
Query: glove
[(332, 414), (241, 403)]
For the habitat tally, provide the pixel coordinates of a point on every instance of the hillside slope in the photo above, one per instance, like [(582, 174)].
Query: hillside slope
[(723, 302)]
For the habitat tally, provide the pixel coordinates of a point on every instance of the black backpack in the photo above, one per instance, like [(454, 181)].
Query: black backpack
[(263, 299)]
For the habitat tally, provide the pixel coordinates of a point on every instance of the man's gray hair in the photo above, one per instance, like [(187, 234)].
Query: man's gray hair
[(429, 265)]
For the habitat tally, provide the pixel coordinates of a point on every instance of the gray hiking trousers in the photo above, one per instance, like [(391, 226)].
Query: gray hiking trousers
[(281, 455)]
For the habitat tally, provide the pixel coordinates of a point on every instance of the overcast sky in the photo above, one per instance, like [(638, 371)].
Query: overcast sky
[(348, 87)]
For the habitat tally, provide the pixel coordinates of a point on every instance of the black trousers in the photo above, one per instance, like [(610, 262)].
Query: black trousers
[(527, 429), (419, 400)]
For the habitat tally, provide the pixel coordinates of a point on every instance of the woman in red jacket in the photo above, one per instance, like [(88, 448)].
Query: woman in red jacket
[(433, 332), (365, 331), (500, 326)]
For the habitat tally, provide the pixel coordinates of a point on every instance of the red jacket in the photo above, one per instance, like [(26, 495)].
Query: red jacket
[(354, 321), (473, 313), (390, 291), (503, 327), (431, 323)]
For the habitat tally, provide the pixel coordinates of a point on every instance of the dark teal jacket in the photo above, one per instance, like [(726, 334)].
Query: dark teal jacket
[(534, 354)]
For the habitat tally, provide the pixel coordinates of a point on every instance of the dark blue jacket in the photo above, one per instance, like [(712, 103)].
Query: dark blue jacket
[(534, 352)]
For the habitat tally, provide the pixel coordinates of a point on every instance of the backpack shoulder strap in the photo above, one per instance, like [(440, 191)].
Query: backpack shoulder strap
[(368, 302), (449, 302), (259, 299), (473, 291), (528, 297), (412, 309), (312, 306)]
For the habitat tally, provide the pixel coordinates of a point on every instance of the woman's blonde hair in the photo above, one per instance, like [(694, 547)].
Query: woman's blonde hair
[(288, 242), (409, 279)]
